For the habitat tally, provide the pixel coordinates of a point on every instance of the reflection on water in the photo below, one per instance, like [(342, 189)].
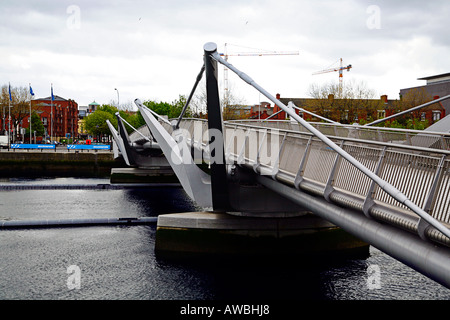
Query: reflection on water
[(118, 262)]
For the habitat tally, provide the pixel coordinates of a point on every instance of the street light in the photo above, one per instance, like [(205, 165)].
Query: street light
[(118, 103)]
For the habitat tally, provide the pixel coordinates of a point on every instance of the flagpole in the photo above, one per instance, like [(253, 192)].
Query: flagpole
[(51, 118), (9, 124), (9, 118), (31, 98)]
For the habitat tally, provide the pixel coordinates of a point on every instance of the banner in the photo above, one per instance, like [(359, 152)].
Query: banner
[(88, 147), (32, 146)]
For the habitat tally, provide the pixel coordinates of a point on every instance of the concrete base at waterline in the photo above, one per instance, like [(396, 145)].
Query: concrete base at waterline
[(155, 174), (191, 234)]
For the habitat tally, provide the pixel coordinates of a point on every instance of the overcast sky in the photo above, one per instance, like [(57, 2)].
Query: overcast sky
[(153, 49)]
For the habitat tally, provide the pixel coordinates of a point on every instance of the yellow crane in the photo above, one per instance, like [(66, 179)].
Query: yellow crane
[(341, 69), (241, 54)]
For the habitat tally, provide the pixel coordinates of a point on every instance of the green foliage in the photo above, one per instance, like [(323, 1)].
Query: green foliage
[(96, 123), (412, 124), (172, 110), (36, 125), (133, 118)]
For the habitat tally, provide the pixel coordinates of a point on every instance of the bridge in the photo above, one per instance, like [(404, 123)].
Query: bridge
[(385, 187)]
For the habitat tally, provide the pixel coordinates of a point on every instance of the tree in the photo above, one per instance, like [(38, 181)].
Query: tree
[(133, 118), (96, 123), (412, 120), (20, 105), (356, 102), (171, 110), (36, 125), (231, 104)]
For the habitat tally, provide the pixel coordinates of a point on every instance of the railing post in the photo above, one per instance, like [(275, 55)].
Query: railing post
[(301, 169), (329, 188), (219, 185), (276, 166), (257, 164), (369, 202), (422, 225)]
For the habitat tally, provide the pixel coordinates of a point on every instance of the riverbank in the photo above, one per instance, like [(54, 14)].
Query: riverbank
[(50, 163)]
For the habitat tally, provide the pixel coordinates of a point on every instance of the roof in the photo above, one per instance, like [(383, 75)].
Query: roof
[(94, 103), (442, 125), (444, 75), (56, 98)]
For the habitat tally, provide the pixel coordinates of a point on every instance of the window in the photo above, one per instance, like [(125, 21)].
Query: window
[(436, 115), (381, 114), (423, 116)]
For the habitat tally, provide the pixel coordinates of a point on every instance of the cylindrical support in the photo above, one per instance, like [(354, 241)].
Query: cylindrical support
[(423, 256), (219, 186)]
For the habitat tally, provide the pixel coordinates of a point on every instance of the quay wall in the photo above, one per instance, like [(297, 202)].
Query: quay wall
[(37, 163)]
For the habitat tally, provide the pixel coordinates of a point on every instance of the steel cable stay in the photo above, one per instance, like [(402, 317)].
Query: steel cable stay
[(137, 131), (384, 185), (197, 81)]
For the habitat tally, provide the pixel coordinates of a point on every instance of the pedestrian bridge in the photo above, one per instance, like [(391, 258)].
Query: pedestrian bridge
[(388, 187)]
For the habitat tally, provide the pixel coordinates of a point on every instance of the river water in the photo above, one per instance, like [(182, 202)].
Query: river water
[(118, 262)]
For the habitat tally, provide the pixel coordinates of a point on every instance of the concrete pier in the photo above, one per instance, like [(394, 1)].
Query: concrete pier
[(192, 234)]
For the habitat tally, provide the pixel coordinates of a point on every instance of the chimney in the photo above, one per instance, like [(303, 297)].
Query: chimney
[(384, 98), (278, 96), (331, 98)]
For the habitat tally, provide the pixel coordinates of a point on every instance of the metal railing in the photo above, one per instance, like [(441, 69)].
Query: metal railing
[(330, 156), (419, 138), (303, 161)]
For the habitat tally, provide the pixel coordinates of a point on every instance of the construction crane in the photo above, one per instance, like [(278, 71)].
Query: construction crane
[(241, 54), (341, 74)]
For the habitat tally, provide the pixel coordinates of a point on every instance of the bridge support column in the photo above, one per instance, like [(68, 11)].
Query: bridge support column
[(219, 189), (425, 257)]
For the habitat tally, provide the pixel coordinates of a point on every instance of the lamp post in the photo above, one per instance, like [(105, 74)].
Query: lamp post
[(9, 124), (51, 117), (118, 102)]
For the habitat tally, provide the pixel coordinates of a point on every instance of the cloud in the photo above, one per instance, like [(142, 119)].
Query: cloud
[(154, 49)]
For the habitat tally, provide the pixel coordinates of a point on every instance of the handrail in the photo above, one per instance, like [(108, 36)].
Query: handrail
[(361, 127), (368, 142), (388, 188), (242, 123)]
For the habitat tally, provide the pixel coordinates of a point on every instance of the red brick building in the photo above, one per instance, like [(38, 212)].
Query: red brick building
[(63, 112), (362, 109), (436, 86)]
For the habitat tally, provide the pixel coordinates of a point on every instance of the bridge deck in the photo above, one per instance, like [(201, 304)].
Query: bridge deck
[(300, 160)]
